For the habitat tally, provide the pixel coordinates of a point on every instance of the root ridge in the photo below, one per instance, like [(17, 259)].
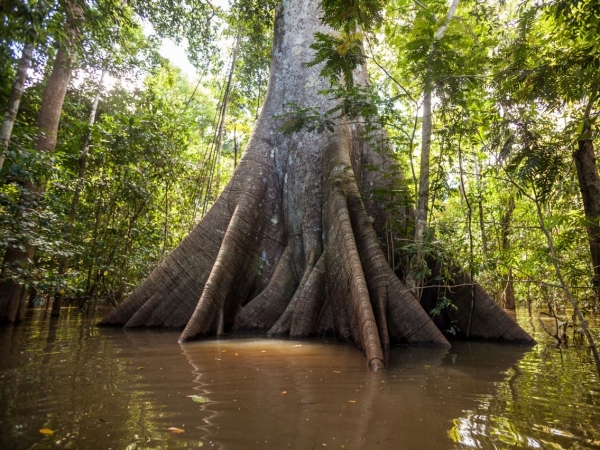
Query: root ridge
[(287, 250)]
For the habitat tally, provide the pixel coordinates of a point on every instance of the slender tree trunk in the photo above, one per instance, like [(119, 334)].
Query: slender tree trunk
[(589, 184), (222, 123), (470, 231), (423, 203), (121, 274), (258, 96), (85, 151), (207, 166), (508, 290), (92, 250), (166, 226), (235, 149), (426, 133), (565, 288), (14, 100), (484, 243), (291, 246)]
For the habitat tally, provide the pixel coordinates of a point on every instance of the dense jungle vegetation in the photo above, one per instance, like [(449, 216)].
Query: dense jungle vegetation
[(490, 108)]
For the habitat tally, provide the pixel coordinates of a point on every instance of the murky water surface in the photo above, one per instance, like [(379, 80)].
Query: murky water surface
[(98, 388)]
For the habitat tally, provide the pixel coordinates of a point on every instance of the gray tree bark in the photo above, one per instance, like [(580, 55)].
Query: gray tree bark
[(14, 100)]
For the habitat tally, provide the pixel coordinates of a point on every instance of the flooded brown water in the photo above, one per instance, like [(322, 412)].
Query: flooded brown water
[(98, 388)]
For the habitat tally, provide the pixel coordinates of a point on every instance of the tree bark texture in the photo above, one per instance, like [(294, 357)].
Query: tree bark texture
[(291, 247), (423, 201), (13, 295), (589, 184), (14, 99)]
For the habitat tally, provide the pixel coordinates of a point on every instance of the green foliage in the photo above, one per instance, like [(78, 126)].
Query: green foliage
[(190, 20), (251, 22), (340, 55), (353, 13), (445, 306), (23, 20), (135, 202)]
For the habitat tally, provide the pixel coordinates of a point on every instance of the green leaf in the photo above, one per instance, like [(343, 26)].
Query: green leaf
[(198, 399)]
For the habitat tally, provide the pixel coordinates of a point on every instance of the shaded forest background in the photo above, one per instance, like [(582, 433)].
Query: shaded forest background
[(142, 151)]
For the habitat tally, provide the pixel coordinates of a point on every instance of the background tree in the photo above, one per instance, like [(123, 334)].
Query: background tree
[(12, 294)]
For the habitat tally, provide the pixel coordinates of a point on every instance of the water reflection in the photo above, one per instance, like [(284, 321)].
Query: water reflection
[(106, 388), (550, 399), (58, 376), (286, 394)]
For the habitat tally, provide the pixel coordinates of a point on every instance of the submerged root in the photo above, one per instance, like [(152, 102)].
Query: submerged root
[(384, 310), (347, 287)]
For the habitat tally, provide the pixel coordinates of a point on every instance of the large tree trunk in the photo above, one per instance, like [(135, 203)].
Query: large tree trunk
[(291, 247)]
